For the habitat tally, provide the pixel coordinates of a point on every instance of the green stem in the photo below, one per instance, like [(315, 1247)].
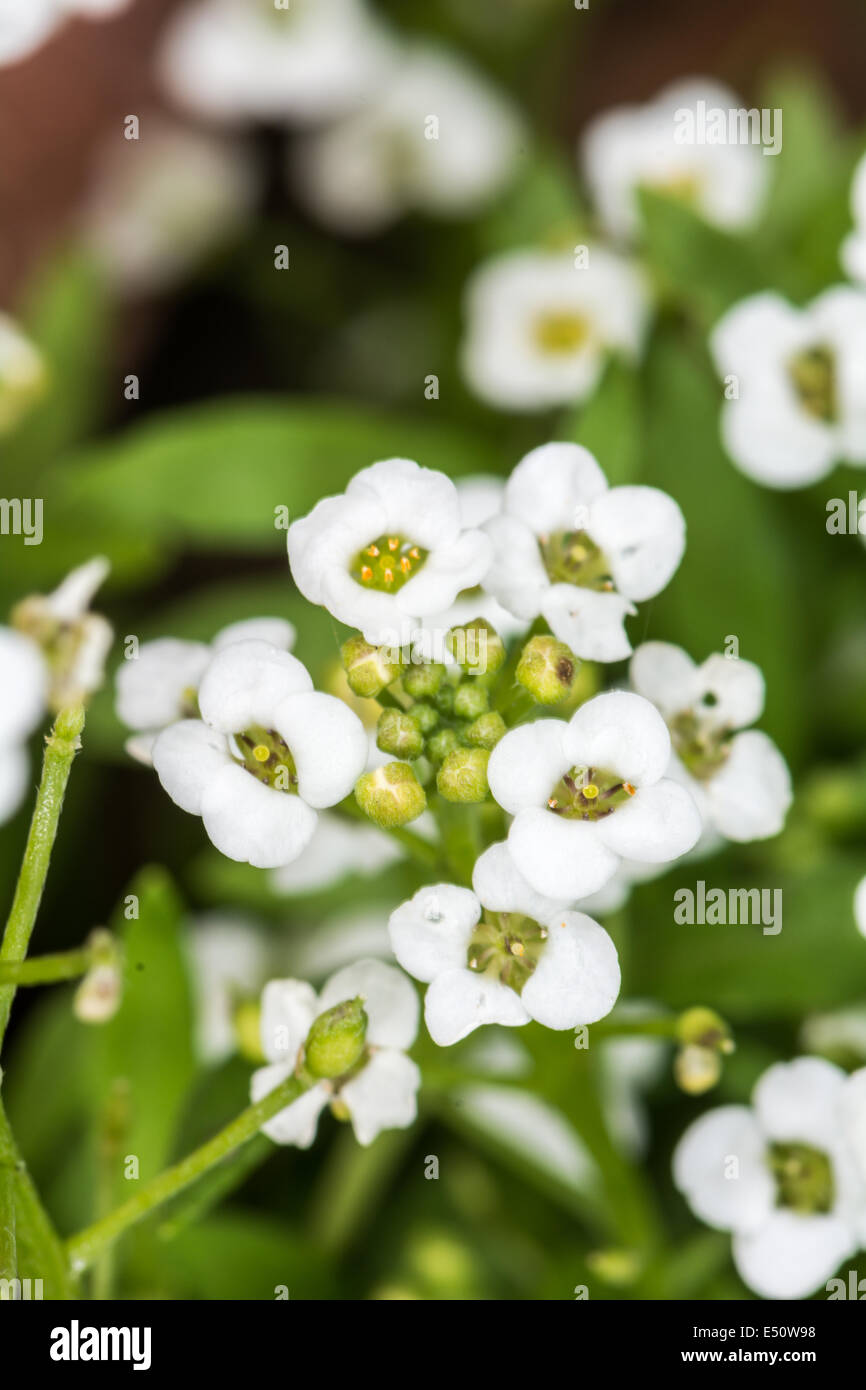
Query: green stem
[(32, 1224), (47, 970), (90, 1243), (414, 844), (663, 1026), (61, 746)]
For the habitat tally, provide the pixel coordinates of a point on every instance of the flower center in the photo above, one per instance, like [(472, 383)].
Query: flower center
[(589, 793), (804, 1177), (701, 746), (572, 557), (560, 333), (686, 187), (266, 755), (387, 563), (507, 945), (813, 373)]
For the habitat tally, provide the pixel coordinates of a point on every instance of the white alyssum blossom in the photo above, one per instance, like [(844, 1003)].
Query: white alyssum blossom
[(159, 205), (380, 1091), (74, 642), (229, 962), (267, 753), (437, 138), (578, 553), (540, 325), (737, 776), (503, 953), (159, 685), (853, 252), (26, 24), (646, 146), (23, 696), (589, 792), (786, 1175), (795, 382), (388, 552), (22, 373), (254, 60)]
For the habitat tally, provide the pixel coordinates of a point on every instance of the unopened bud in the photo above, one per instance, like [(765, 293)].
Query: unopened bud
[(98, 996), (425, 716), (547, 669), (477, 647), (398, 733), (463, 775), (440, 744), (368, 669), (336, 1040), (486, 731), (390, 795), (704, 1028), (697, 1069), (423, 679), (470, 700)]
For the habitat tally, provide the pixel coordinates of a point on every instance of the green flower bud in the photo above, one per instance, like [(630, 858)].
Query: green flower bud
[(486, 731), (368, 669), (398, 733), (547, 669), (425, 716), (247, 1025), (476, 647), (697, 1069), (463, 775), (443, 742), (421, 681), (336, 1040), (390, 795), (470, 700), (703, 1027), (444, 699)]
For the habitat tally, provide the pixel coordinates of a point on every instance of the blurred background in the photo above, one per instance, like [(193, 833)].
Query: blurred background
[(258, 388)]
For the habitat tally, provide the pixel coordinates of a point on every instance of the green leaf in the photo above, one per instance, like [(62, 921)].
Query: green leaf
[(700, 266), (609, 424), (242, 1255)]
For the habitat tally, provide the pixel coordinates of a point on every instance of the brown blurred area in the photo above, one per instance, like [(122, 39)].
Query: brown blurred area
[(58, 106)]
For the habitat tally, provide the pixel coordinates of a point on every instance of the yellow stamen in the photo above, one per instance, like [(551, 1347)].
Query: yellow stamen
[(627, 787), (389, 576), (261, 753), (553, 803), (393, 542), (366, 573), (516, 948), (405, 565), (373, 550)]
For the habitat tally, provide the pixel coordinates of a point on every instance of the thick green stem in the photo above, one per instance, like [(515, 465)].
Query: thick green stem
[(61, 746), (89, 1244), (30, 1221)]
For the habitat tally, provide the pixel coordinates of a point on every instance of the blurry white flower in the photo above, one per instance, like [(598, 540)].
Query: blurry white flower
[(74, 641), (800, 377), (787, 1176), (339, 941), (579, 553), (739, 780), (22, 373), (266, 755), (229, 959), (629, 1067), (25, 24), (540, 325), (839, 1032), (241, 60), (379, 1092), (503, 953), (436, 138), (636, 146), (617, 891), (387, 552), (860, 906), (161, 203), (23, 695), (160, 685), (534, 1129), (338, 848), (588, 793), (853, 252)]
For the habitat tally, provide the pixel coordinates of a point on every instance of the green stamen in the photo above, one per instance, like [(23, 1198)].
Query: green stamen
[(507, 945), (813, 373), (589, 793), (571, 557), (266, 755)]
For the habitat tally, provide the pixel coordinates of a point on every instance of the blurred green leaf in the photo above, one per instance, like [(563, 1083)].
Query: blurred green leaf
[(704, 268), (609, 424)]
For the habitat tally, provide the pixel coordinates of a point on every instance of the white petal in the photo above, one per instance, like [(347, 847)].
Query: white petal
[(431, 932), (276, 631), (720, 1167), (564, 859), (577, 979), (860, 906), (643, 534), (780, 447), (327, 742), (420, 504), (245, 683), (516, 576), (536, 1130), (501, 887), (288, 1011), (253, 823), (297, 1123), (390, 1001), (329, 536), (527, 763), (749, 796), (150, 688), (551, 488), (14, 775), (482, 496), (72, 597), (792, 1255), (659, 823), (622, 733), (590, 622), (737, 687), (664, 674), (338, 848), (448, 570), (187, 756), (383, 1095), (460, 1001), (852, 1116), (797, 1102), (23, 686)]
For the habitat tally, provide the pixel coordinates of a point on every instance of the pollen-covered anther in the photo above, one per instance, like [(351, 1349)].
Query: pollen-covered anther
[(366, 573), (627, 787), (393, 542), (517, 948)]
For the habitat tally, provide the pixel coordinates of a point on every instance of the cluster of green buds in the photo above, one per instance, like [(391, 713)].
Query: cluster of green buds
[(704, 1040)]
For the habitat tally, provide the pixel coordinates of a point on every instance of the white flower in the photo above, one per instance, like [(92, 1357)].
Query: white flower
[(229, 960), (588, 793), (266, 755), (22, 372), (160, 204), (23, 693), (540, 325), (579, 553), (739, 780), (74, 641), (437, 138), (534, 1130), (786, 1176), (160, 685), (853, 253), (26, 24), (860, 906), (381, 1093), (388, 552), (253, 60), (503, 953), (800, 378), (633, 147), (338, 848)]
